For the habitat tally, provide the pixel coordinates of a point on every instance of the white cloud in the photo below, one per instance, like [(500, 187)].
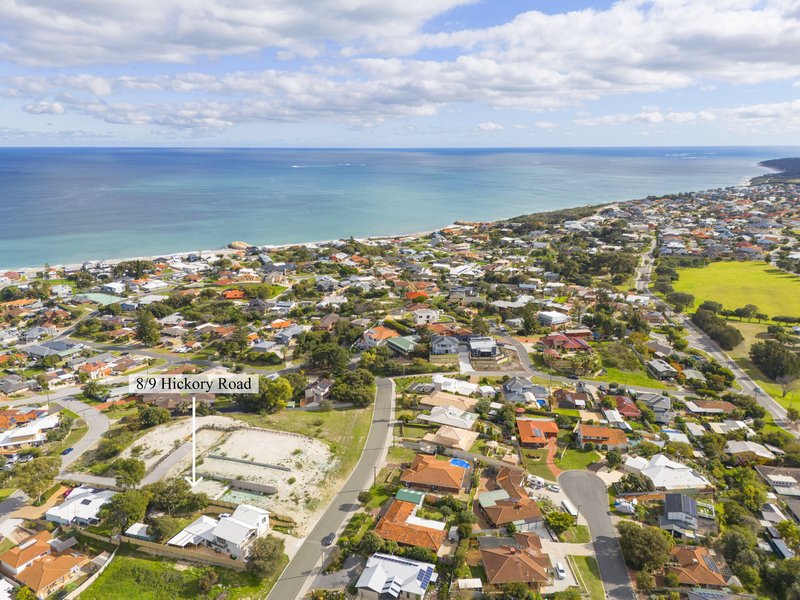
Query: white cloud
[(651, 116), (490, 126), (546, 125), (44, 108)]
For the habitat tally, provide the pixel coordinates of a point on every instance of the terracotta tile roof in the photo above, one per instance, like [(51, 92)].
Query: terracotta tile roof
[(518, 507), (27, 550), (696, 566), (426, 471), (381, 333), (627, 407), (536, 431), (49, 569), (605, 435), (393, 526), (521, 559)]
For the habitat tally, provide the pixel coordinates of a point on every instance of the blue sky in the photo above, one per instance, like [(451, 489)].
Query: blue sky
[(417, 73)]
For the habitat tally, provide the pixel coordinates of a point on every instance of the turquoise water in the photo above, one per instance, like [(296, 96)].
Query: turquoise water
[(68, 205)]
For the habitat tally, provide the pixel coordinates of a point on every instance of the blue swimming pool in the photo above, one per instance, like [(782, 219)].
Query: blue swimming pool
[(459, 463)]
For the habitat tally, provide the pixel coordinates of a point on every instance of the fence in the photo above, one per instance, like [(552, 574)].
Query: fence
[(85, 585)]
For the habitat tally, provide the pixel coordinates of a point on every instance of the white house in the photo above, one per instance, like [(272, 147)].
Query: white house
[(387, 576), (444, 344), (552, 318), (231, 534), (425, 316), (667, 474), (448, 415), (81, 506)]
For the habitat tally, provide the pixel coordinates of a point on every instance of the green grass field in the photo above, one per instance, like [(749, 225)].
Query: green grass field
[(576, 459), (158, 579), (735, 284)]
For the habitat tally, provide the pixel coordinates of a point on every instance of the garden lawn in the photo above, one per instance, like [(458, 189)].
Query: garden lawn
[(345, 431), (589, 574), (158, 579), (576, 459), (735, 284), (638, 378)]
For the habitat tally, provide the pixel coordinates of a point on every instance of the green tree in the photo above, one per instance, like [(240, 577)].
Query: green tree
[(150, 416), (175, 497), (613, 459), (164, 527), (266, 555), (644, 548), (371, 543), (559, 521), (36, 477), (129, 472), (680, 300), (147, 330), (25, 593), (272, 396), (125, 508), (329, 357)]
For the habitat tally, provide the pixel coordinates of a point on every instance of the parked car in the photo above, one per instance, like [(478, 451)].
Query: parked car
[(573, 376), (561, 573), (67, 451), (553, 487), (328, 539)]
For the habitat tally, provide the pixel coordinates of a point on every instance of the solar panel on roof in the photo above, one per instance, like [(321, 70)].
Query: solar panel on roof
[(712, 566)]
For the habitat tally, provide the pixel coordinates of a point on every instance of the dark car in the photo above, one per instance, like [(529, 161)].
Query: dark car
[(67, 451), (328, 539), (572, 377)]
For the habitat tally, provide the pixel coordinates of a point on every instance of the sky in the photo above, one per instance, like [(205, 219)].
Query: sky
[(405, 73)]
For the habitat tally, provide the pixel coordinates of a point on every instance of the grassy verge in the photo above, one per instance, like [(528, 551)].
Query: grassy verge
[(589, 574), (576, 459), (577, 534), (637, 378)]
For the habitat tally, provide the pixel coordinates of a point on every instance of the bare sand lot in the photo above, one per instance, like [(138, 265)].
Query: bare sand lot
[(301, 483)]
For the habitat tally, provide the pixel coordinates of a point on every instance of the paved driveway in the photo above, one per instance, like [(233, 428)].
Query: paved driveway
[(588, 493)]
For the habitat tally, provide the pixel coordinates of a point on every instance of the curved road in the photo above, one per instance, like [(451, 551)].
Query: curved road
[(588, 493), (299, 572)]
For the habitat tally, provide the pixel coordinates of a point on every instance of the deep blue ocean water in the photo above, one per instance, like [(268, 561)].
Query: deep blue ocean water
[(68, 205)]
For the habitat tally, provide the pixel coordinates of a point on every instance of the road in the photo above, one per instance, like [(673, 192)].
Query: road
[(299, 572), (97, 423), (588, 493), (698, 339)]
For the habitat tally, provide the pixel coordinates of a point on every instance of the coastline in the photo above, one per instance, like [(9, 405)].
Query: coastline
[(227, 250)]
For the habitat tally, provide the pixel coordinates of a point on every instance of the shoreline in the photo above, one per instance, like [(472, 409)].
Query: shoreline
[(227, 250)]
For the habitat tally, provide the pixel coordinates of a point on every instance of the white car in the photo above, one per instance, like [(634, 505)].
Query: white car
[(560, 572), (553, 487)]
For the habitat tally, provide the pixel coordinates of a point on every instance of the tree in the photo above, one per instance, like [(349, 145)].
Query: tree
[(25, 593), (680, 300), (559, 521), (356, 387), (150, 416), (94, 390), (164, 527), (125, 508), (129, 472), (329, 357), (644, 548), (36, 477), (775, 360), (793, 414), (175, 497), (272, 396), (147, 330), (371, 543), (613, 459), (645, 582), (208, 580), (266, 556), (517, 591)]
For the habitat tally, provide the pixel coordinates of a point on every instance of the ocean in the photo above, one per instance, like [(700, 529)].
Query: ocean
[(67, 205)]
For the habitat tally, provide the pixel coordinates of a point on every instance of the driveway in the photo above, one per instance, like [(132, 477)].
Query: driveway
[(588, 493), (302, 570)]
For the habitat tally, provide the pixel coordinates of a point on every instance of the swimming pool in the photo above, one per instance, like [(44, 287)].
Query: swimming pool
[(457, 462)]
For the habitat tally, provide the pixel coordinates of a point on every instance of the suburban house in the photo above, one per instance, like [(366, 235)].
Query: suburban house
[(627, 407), (747, 451), (535, 433), (403, 345), (680, 515), (376, 336), (514, 559), (608, 438), (425, 316), (451, 437), (43, 564), (231, 534), (401, 524), (444, 344), (386, 576), (710, 407), (697, 566), (482, 347), (317, 391), (667, 474), (449, 415), (81, 507), (436, 475), (510, 503), (445, 399), (660, 405), (660, 369), (552, 318), (520, 390), (570, 399)]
